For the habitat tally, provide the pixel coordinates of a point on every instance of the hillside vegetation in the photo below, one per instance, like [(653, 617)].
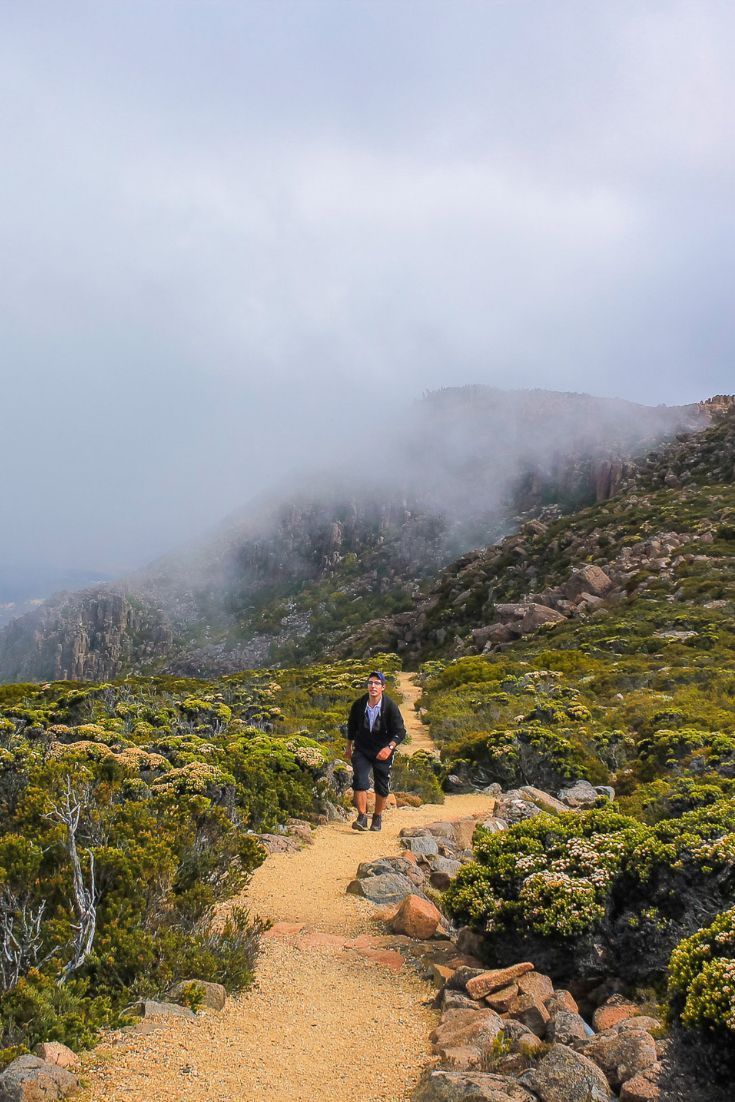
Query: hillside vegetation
[(635, 691), (128, 811), (591, 646)]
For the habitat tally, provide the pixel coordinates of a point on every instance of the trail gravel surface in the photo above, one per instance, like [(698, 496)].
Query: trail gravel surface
[(321, 1021), (419, 739)]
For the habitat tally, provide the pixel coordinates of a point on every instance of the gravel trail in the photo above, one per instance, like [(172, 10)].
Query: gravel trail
[(321, 1021), (419, 732)]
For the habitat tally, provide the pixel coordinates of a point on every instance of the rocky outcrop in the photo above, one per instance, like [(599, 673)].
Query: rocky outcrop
[(93, 636), (539, 1041), (546, 572)]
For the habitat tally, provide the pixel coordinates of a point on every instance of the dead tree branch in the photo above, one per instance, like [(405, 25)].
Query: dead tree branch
[(20, 938), (84, 898)]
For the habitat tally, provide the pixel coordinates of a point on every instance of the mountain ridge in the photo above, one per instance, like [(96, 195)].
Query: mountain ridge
[(285, 584)]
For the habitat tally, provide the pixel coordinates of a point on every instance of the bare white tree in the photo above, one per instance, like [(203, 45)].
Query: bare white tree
[(20, 934), (84, 897)]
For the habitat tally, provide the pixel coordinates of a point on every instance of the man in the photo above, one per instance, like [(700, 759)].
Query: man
[(374, 729)]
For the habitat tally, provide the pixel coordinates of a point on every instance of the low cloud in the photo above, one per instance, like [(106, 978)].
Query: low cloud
[(238, 236)]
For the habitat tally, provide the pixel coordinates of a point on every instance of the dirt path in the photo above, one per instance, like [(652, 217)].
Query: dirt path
[(324, 1020), (419, 732)]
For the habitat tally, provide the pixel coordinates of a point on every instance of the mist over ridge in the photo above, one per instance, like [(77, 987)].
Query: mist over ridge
[(234, 236), (279, 579)]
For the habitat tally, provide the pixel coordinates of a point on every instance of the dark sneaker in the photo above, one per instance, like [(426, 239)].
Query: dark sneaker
[(360, 823), (377, 822)]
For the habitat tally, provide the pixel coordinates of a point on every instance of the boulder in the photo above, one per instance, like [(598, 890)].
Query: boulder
[(150, 1008), (449, 865), (53, 1052), (561, 1000), (384, 865), (639, 1021), (215, 995), (389, 887), (425, 844), (444, 828), (463, 975), (503, 999), (579, 794), (564, 1075), (440, 973), (464, 829), (457, 1000), (443, 871), (622, 1054), (461, 1057), (531, 1012), (31, 1079), (537, 616), (605, 790), (538, 986), (484, 983), (514, 809), (469, 1030), (417, 918), (543, 799), (301, 829), (478, 1086), (589, 579), (278, 843), (529, 1045), (643, 1087), (565, 1028), (589, 603), (511, 612), (615, 1010)]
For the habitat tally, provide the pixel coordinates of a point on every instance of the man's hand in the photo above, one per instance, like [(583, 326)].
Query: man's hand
[(348, 752), (383, 754)]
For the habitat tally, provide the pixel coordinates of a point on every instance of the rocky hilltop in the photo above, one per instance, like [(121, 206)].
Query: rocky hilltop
[(296, 581), (558, 567)]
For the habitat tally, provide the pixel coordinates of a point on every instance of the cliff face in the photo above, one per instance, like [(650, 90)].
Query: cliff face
[(94, 635), (293, 585)]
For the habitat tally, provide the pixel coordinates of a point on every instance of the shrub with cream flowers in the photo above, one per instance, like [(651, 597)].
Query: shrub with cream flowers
[(702, 975)]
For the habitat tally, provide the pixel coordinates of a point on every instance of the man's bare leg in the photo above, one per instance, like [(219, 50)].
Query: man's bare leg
[(380, 802), (360, 801)]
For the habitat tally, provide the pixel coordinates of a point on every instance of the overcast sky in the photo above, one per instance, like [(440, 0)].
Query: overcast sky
[(231, 231)]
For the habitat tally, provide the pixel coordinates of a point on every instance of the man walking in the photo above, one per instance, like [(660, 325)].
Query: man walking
[(374, 729)]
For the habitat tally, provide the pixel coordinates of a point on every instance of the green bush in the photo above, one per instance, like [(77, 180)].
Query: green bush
[(171, 775), (702, 976), (418, 774)]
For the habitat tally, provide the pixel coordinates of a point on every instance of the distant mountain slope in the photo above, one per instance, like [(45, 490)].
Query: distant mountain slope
[(291, 582), (675, 502)]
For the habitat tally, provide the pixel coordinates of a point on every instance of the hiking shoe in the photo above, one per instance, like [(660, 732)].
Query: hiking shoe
[(360, 823), (377, 822)]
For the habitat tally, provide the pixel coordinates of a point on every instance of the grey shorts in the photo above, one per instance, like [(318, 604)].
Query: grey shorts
[(362, 766)]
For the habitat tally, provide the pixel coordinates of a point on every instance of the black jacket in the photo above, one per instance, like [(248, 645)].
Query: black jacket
[(388, 726)]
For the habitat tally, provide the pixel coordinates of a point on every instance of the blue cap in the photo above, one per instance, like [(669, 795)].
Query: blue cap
[(380, 676)]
